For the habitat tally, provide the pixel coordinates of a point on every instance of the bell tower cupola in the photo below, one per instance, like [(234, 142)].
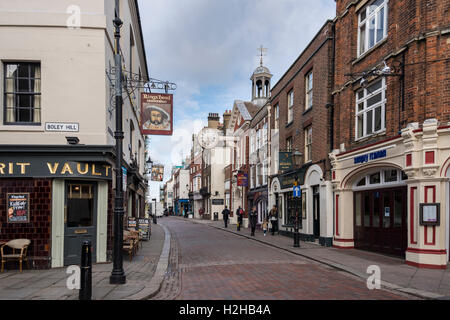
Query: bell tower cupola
[(261, 82)]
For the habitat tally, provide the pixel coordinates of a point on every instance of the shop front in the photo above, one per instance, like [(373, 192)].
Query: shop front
[(57, 198), (392, 196)]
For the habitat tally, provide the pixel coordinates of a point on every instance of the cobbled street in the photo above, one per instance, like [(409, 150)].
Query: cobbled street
[(211, 264)]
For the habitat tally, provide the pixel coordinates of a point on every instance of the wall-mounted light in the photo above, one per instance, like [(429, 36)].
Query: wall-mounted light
[(72, 140)]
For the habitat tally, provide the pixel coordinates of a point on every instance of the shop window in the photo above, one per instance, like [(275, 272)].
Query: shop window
[(366, 210), (379, 178), (358, 212), (304, 205), (398, 207), (376, 210)]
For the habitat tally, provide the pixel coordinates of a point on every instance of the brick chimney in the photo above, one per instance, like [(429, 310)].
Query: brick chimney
[(226, 118), (213, 120)]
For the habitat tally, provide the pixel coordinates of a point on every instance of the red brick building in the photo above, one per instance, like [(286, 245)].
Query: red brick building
[(300, 111), (390, 127)]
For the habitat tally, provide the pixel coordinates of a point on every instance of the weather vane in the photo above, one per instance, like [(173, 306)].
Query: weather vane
[(262, 51)]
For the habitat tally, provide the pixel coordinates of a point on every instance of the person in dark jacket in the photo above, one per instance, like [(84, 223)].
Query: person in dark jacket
[(226, 214), (240, 217), (253, 220)]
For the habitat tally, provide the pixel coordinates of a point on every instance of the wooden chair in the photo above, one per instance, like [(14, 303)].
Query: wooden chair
[(128, 244), (137, 240), (16, 244)]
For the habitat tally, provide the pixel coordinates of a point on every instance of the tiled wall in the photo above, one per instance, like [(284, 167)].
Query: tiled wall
[(38, 230)]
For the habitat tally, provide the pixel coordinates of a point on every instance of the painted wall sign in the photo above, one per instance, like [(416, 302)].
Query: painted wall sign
[(55, 169), (217, 202), (156, 114), (62, 127), (370, 156), (18, 207)]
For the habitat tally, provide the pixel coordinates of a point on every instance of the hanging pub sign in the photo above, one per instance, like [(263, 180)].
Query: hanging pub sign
[(156, 114), (157, 172), (18, 207), (242, 180), (285, 161)]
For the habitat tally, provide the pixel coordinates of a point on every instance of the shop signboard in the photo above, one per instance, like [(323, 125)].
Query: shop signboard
[(217, 202), (132, 223), (430, 214), (242, 180), (144, 228), (285, 161), (18, 207)]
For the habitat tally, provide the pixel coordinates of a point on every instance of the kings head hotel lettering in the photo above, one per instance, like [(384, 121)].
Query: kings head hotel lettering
[(55, 169)]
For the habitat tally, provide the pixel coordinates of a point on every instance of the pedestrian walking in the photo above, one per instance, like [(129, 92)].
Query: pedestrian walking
[(253, 220), (240, 217), (226, 214), (265, 225), (274, 219)]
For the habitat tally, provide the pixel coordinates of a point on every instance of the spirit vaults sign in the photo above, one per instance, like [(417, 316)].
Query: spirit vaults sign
[(156, 114), (34, 168)]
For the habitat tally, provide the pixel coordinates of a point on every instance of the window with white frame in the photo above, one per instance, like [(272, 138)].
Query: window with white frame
[(265, 172), (265, 134), (277, 114), (258, 139), (372, 25), (383, 177), (309, 90), (290, 106), (258, 175), (22, 93), (370, 109), (308, 144)]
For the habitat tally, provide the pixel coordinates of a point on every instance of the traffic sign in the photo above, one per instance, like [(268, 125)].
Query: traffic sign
[(297, 191)]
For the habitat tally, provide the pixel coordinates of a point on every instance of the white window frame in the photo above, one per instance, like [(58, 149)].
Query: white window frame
[(290, 106), (277, 114), (309, 85), (264, 173), (366, 110), (308, 144), (366, 23), (382, 183)]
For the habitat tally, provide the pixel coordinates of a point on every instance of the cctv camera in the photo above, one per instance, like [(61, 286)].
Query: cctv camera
[(363, 82), (385, 69)]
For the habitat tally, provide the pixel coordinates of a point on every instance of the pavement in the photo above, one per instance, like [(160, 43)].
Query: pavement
[(396, 275), (155, 260), (144, 274)]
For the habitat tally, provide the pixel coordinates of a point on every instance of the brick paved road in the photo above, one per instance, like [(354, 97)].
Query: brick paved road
[(210, 264)]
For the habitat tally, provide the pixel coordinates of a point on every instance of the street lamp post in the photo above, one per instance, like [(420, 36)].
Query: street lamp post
[(118, 274), (297, 159)]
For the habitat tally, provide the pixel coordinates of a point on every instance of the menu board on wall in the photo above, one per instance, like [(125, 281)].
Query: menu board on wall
[(18, 207)]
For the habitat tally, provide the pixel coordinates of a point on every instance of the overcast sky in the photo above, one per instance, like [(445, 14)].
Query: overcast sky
[(209, 49)]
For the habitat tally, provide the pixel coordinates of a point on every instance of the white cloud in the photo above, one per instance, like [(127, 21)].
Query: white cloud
[(209, 49)]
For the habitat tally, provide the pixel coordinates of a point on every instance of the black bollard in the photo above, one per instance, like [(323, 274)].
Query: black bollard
[(86, 271)]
